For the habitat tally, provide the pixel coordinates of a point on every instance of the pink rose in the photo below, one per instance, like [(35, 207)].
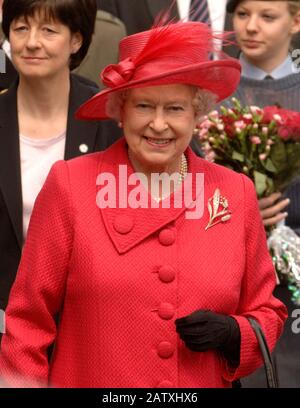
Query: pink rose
[(255, 140)]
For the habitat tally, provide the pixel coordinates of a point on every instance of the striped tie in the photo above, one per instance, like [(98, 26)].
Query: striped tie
[(199, 11)]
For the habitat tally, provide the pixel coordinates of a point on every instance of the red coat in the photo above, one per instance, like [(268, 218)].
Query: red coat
[(120, 277)]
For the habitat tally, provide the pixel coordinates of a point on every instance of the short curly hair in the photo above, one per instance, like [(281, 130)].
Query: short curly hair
[(78, 15)]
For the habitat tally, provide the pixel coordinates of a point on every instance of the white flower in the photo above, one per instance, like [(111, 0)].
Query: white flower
[(240, 124), (214, 114), (263, 156), (255, 140), (277, 117), (255, 109)]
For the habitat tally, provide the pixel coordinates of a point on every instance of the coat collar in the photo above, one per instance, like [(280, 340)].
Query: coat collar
[(129, 226)]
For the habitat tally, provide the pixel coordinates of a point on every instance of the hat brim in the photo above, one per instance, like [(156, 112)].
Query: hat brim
[(219, 77)]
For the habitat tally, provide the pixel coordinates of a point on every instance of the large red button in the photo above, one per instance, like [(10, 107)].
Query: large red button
[(166, 311), (165, 349), (123, 224), (167, 236), (166, 273)]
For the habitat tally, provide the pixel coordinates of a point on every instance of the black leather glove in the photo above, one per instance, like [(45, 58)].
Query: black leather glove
[(205, 330)]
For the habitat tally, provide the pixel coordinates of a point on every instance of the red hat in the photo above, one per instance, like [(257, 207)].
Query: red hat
[(175, 53)]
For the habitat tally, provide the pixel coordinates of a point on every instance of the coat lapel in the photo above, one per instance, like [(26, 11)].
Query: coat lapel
[(81, 135), (157, 6), (10, 174), (129, 226)]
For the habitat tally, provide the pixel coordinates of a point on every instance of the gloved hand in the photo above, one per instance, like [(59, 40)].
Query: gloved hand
[(205, 330)]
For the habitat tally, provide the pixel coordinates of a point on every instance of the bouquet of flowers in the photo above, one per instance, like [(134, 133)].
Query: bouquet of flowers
[(264, 144)]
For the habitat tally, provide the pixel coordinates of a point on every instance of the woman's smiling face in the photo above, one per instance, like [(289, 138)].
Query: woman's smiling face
[(158, 124)]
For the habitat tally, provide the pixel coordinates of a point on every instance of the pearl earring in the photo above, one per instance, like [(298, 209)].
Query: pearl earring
[(120, 124)]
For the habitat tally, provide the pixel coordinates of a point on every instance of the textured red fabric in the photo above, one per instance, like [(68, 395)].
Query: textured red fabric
[(119, 292)]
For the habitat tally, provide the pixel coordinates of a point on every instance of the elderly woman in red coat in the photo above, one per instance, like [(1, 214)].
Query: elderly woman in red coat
[(152, 258)]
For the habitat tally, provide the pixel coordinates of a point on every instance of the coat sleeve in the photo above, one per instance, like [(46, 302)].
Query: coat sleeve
[(256, 299), (38, 291)]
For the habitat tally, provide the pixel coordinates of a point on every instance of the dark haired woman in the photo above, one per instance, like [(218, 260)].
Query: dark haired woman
[(37, 125)]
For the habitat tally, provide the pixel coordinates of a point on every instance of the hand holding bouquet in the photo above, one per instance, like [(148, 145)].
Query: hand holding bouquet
[(264, 144)]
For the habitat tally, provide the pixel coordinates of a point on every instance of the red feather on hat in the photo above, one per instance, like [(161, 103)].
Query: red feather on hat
[(167, 42)]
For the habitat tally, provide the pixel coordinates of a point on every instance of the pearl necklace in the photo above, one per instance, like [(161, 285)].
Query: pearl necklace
[(182, 175), (183, 169)]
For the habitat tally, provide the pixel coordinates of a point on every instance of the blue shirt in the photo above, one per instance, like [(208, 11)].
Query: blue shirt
[(251, 71)]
